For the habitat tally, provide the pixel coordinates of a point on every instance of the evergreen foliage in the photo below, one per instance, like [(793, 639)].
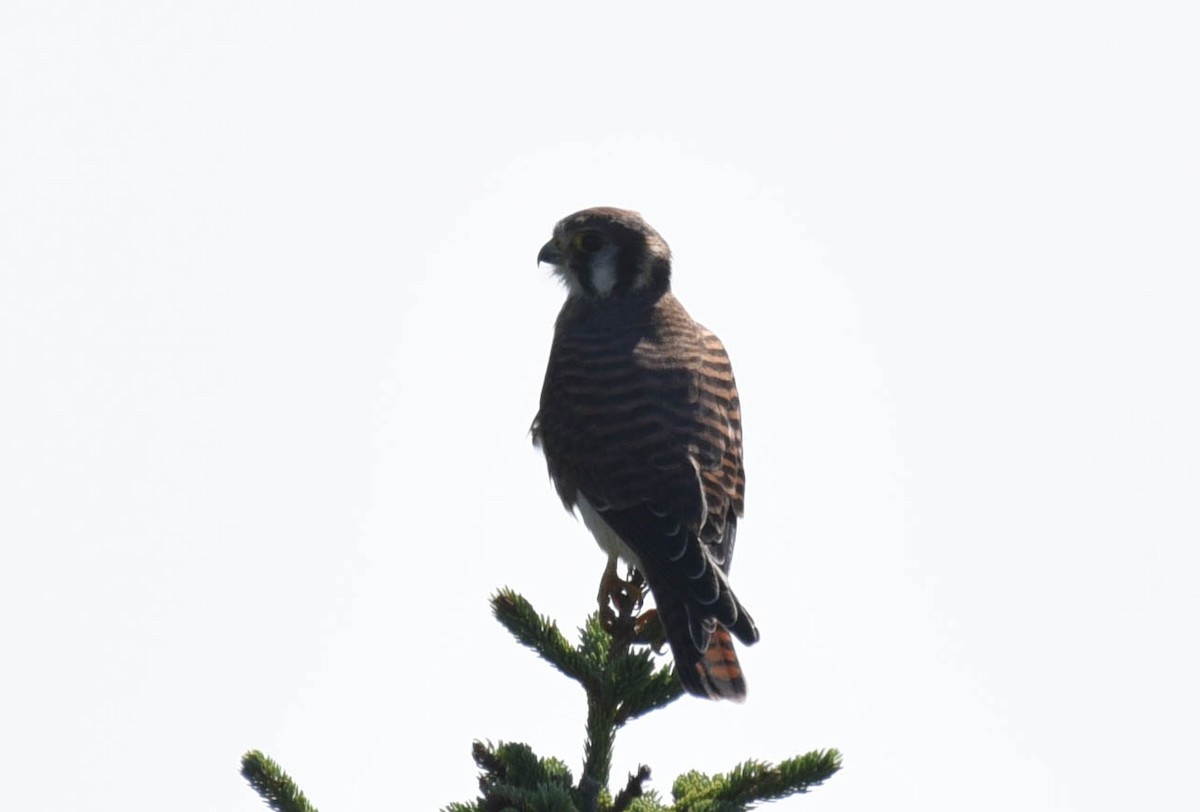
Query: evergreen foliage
[(614, 665), (273, 784)]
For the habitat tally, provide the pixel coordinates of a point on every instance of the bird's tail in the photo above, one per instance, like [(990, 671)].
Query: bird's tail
[(708, 666)]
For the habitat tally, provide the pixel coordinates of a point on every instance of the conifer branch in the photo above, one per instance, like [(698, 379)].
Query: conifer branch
[(273, 784), (542, 635), (621, 683), (642, 688), (601, 736), (753, 782), (619, 677), (627, 685), (633, 789), (589, 794), (515, 778)]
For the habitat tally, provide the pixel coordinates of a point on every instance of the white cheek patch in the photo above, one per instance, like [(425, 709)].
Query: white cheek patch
[(604, 271), (569, 279)]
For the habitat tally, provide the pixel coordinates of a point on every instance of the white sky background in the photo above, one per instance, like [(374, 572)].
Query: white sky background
[(272, 334)]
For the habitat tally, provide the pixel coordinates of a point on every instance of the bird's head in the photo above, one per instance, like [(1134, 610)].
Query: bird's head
[(607, 253)]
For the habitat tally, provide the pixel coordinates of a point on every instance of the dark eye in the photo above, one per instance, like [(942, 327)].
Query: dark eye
[(588, 242)]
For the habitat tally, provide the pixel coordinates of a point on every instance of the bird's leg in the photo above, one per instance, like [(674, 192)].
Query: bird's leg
[(619, 600), (636, 587), (610, 585), (646, 627), (629, 593)]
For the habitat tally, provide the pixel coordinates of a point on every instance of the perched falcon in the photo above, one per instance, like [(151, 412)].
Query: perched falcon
[(641, 428)]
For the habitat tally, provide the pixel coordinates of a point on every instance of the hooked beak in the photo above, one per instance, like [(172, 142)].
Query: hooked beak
[(550, 254)]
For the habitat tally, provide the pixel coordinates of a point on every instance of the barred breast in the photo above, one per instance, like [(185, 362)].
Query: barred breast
[(639, 405), (641, 427)]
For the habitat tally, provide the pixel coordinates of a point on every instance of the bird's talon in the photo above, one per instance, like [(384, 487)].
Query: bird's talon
[(608, 619), (647, 630)]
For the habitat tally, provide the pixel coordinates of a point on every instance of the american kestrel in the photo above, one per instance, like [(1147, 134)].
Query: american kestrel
[(641, 428)]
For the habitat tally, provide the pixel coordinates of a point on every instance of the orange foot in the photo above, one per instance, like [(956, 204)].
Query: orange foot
[(648, 630), (610, 586), (619, 599)]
